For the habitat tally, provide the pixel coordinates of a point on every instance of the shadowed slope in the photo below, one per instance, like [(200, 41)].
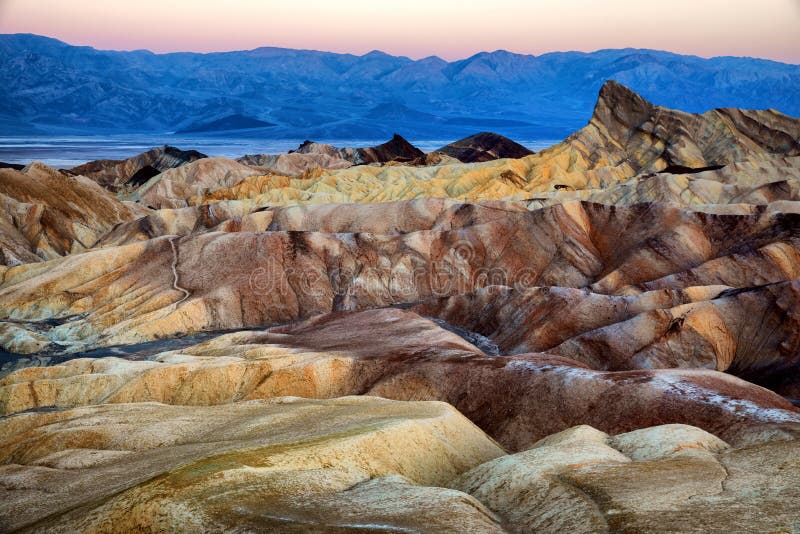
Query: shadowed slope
[(484, 146), (400, 355), (116, 175), (46, 214)]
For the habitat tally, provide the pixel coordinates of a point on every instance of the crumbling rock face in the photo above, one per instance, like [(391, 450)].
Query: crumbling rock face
[(750, 332), (658, 138)]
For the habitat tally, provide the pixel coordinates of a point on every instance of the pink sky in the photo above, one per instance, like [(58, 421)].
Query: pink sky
[(451, 29)]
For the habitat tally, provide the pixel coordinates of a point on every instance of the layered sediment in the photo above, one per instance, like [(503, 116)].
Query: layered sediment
[(602, 336)]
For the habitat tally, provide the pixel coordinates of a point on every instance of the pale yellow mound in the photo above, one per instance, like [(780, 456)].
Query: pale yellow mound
[(289, 465)]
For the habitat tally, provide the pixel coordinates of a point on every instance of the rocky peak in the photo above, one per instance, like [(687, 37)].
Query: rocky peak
[(617, 106), (484, 146), (626, 128), (396, 149), (311, 147)]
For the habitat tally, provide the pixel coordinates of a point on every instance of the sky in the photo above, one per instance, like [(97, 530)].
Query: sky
[(451, 29)]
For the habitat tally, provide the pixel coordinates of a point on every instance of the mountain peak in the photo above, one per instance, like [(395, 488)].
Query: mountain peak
[(376, 54), (484, 146), (617, 103), (396, 149)]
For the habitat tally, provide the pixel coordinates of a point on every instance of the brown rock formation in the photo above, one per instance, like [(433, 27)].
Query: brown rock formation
[(395, 149), (116, 175), (310, 155), (517, 399), (294, 163), (714, 138), (290, 465), (484, 146), (46, 214), (244, 216), (734, 188), (248, 279), (172, 188), (750, 332)]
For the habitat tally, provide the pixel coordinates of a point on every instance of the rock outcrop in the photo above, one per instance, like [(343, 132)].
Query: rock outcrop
[(583, 480), (309, 156), (46, 214), (734, 188), (484, 146), (294, 163), (290, 464), (313, 260), (172, 188), (750, 332), (127, 174), (395, 149)]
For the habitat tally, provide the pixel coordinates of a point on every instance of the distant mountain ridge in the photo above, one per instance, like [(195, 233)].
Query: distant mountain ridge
[(52, 87)]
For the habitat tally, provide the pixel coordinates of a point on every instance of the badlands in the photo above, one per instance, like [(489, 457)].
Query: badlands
[(603, 336)]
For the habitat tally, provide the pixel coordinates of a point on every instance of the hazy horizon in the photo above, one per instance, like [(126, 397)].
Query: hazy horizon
[(447, 29), (396, 55)]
